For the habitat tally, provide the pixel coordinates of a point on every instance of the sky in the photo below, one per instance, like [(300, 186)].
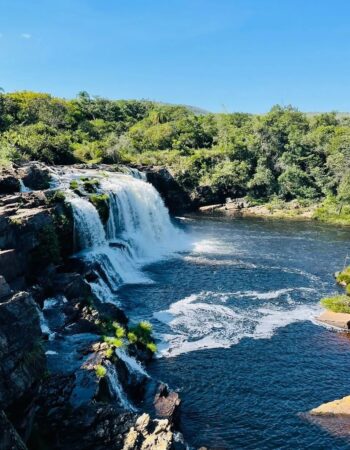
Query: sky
[(219, 55)]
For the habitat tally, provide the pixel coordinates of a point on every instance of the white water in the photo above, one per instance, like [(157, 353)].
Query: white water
[(196, 323), (139, 218), (23, 187), (132, 364), (116, 388), (138, 231)]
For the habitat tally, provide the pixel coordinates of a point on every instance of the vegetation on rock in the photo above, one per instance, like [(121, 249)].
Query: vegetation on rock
[(100, 371), (100, 201), (340, 303)]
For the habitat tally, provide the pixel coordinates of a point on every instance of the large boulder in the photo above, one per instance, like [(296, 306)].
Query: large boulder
[(339, 407), (175, 197), (21, 352), (9, 182), (23, 361), (35, 176), (167, 403)]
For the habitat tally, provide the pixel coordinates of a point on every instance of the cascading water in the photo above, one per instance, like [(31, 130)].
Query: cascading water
[(89, 229), (138, 230), (132, 364), (116, 388), (139, 218)]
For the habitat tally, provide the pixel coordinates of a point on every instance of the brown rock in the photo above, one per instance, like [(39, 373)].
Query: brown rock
[(166, 403)]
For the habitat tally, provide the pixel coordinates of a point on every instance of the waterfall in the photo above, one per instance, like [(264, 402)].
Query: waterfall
[(132, 364), (90, 231), (138, 230), (140, 219), (116, 388), (23, 187)]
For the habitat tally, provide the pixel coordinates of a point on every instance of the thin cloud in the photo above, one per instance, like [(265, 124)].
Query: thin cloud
[(26, 36)]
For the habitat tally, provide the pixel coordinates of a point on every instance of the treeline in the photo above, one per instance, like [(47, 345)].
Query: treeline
[(284, 154)]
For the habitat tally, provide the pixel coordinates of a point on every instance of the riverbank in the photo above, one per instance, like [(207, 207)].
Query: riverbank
[(280, 210)]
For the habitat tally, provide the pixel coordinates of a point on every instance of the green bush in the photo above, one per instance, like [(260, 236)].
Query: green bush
[(100, 371), (74, 185), (113, 341), (119, 331), (142, 334), (100, 201), (91, 184), (152, 347), (344, 276), (338, 304), (56, 197), (132, 338)]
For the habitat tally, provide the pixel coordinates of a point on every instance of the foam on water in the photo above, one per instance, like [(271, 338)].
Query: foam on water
[(198, 322)]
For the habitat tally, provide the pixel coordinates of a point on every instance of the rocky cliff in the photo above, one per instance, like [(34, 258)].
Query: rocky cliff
[(58, 383)]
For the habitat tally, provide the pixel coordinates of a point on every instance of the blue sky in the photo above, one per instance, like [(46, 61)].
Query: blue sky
[(221, 55)]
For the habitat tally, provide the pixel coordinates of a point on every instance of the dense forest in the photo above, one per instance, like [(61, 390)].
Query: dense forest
[(280, 156)]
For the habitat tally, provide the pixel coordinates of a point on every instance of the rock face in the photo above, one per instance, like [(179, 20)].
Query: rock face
[(22, 362), (9, 182), (60, 400), (35, 176), (152, 435), (9, 438), (336, 408), (174, 196)]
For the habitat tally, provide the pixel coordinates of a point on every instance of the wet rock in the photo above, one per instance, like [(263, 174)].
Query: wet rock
[(35, 176), (5, 289), (167, 403), (13, 265), (21, 354), (9, 438), (149, 435), (175, 197), (72, 285)]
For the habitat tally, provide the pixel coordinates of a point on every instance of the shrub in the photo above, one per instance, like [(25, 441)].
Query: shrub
[(132, 338), (48, 249), (152, 347), (142, 334), (113, 342), (90, 184), (74, 184), (339, 303), (119, 331), (100, 371), (109, 353), (100, 201), (56, 197), (344, 276)]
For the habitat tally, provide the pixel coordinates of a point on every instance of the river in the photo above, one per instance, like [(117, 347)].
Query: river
[(237, 339)]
